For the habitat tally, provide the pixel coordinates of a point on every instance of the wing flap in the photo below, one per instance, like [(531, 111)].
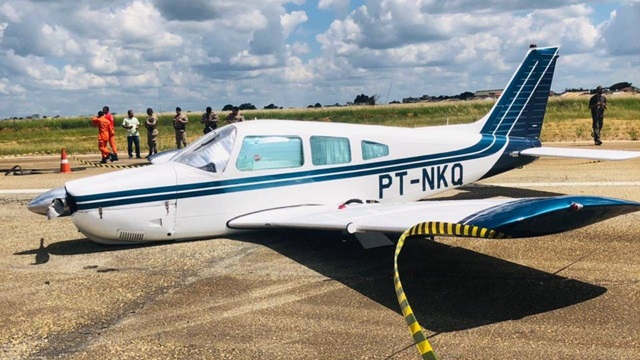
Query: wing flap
[(581, 153), (515, 218)]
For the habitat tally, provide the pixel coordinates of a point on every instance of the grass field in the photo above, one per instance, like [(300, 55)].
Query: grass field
[(566, 120)]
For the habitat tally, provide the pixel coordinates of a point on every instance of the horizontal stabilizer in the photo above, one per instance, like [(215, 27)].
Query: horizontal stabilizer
[(581, 153)]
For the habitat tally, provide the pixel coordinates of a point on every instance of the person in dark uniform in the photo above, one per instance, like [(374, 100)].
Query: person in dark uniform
[(152, 132), (597, 104), (180, 125), (235, 116), (209, 120)]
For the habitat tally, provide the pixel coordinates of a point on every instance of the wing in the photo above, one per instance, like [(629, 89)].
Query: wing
[(581, 153), (515, 218)]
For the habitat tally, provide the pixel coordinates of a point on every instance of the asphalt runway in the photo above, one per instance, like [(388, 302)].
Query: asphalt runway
[(317, 295)]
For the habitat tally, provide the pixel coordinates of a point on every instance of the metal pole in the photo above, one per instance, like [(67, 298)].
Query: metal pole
[(386, 101), (158, 79)]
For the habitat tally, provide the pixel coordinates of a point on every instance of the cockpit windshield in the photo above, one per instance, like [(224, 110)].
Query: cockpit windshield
[(212, 152)]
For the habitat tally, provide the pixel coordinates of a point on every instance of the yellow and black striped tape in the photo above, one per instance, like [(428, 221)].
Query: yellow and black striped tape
[(427, 229), (111, 166)]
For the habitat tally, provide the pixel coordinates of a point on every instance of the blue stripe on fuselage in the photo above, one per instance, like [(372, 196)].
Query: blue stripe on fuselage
[(507, 162), (487, 146)]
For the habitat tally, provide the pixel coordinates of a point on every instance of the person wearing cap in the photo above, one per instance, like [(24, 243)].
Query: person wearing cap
[(180, 125), (235, 116), (210, 120), (152, 132), (597, 104)]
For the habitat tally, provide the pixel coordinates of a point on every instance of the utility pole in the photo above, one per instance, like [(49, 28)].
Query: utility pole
[(158, 79), (386, 100)]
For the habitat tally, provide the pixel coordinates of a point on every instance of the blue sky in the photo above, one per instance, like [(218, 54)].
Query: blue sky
[(72, 57), (319, 20)]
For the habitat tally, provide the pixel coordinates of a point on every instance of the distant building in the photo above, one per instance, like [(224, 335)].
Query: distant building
[(410, 100), (423, 98), (487, 93)]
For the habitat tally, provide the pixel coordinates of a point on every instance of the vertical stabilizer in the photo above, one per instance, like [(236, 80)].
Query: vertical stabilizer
[(519, 111)]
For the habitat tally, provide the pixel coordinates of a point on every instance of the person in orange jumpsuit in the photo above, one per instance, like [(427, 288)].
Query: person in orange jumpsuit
[(104, 132), (112, 136)]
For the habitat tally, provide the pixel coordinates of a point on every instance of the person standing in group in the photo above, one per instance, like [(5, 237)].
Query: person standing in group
[(152, 132), (112, 135), (180, 125), (210, 120), (104, 130), (132, 125), (597, 104), (235, 116)]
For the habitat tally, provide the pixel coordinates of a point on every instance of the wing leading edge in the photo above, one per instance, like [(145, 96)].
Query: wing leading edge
[(581, 153), (515, 218)]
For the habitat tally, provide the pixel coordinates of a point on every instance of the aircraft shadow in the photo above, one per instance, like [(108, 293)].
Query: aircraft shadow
[(479, 191), (78, 247), (449, 288)]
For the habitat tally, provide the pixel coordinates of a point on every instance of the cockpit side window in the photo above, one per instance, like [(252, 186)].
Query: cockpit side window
[(212, 152), (270, 152), (372, 150), (330, 150)]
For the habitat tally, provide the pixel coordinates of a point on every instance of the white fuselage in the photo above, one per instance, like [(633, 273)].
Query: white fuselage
[(175, 200)]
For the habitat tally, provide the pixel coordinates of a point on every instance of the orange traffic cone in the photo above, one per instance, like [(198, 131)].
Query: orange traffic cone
[(65, 168)]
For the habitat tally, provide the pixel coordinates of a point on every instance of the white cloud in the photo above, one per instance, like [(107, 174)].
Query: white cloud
[(299, 48), (620, 26), (7, 88), (297, 72), (68, 55), (145, 79), (340, 6), (138, 24), (7, 11), (79, 79), (59, 41), (142, 24), (291, 20), (247, 60), (102, 59)]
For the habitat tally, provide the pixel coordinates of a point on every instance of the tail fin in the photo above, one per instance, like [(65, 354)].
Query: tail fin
[(519, 111)]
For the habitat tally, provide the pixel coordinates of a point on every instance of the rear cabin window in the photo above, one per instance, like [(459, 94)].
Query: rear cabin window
[(270, 152), (328, 150), (372, 150)]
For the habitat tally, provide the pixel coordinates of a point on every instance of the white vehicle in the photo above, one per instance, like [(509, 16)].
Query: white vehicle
[(363, 179)]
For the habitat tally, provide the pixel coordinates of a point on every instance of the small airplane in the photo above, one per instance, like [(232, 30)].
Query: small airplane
[(366, 180)]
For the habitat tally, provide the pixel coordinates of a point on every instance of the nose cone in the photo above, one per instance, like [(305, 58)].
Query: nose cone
[(41, 203)]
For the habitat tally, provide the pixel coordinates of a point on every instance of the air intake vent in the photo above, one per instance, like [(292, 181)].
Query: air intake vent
[(130, 236)]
